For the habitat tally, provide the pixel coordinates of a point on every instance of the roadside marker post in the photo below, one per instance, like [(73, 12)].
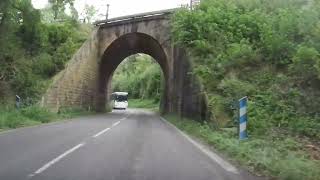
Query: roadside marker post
[(243, 118), (18, 101)]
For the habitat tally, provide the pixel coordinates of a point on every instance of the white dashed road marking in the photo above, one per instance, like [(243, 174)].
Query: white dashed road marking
[(115, 124), (57, 159), (101, 132), (107, 129)]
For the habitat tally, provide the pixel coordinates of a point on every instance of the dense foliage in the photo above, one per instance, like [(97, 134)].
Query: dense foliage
[(139, 75), (34, 47), (58, 7), (266, 50)]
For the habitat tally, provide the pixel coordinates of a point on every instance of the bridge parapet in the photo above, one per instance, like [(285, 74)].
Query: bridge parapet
[(136, 17)]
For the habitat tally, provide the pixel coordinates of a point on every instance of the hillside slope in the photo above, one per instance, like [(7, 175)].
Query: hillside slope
[(268, 51)]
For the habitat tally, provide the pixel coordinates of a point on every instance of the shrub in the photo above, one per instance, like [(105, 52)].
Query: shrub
[(241, 54), (306, 62), (43, 65), (11, 119), (38, 114), (235, 88)]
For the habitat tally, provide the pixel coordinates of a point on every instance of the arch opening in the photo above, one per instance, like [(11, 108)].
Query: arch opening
[(141, 76), (125, 46)]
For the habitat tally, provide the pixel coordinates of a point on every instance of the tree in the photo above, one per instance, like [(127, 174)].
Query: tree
[(10, 12), (20, 18), (74, 13), (89, 12), (58, 6), (47, 15)]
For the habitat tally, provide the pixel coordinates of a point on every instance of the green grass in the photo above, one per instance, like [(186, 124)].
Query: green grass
[(33, 115), (143, 103), (74, 112), (277, 155)]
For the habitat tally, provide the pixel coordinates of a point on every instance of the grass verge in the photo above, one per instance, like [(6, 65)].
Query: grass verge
[(278, 155), (34, 115), (144, 103)]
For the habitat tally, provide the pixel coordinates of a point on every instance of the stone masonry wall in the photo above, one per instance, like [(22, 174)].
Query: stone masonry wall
[(76, 85)]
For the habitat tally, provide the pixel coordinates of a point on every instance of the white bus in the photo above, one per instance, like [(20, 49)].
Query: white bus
[(119, 100)]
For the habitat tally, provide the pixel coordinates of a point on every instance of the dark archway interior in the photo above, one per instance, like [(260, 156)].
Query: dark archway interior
[(121, 48)]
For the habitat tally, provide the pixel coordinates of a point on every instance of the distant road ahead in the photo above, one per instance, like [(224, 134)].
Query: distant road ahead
[(122, 145)]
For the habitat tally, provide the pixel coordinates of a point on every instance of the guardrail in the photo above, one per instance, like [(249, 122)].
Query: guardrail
[(134, 17)]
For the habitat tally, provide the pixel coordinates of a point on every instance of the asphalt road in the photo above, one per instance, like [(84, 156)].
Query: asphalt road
[(122, 145)]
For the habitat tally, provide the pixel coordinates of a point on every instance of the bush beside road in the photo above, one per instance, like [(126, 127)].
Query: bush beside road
[(34, 115)]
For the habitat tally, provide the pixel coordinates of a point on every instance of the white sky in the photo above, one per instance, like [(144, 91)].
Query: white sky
[(120, 7)]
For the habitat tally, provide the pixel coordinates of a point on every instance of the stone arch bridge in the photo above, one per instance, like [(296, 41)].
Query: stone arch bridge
[(86, 80)]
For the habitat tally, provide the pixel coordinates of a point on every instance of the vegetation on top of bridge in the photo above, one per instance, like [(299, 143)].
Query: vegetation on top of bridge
[(270, 52)]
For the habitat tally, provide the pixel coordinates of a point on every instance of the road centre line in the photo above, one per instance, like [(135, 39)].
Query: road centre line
[(101, 132), (57, 159), (125, 117), (115, 124), (107, 129)]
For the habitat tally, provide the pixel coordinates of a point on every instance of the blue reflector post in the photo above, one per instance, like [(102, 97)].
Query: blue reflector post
[(243, 119)]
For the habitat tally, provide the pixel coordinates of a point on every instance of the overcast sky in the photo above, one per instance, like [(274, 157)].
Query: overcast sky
[(120, 7)]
